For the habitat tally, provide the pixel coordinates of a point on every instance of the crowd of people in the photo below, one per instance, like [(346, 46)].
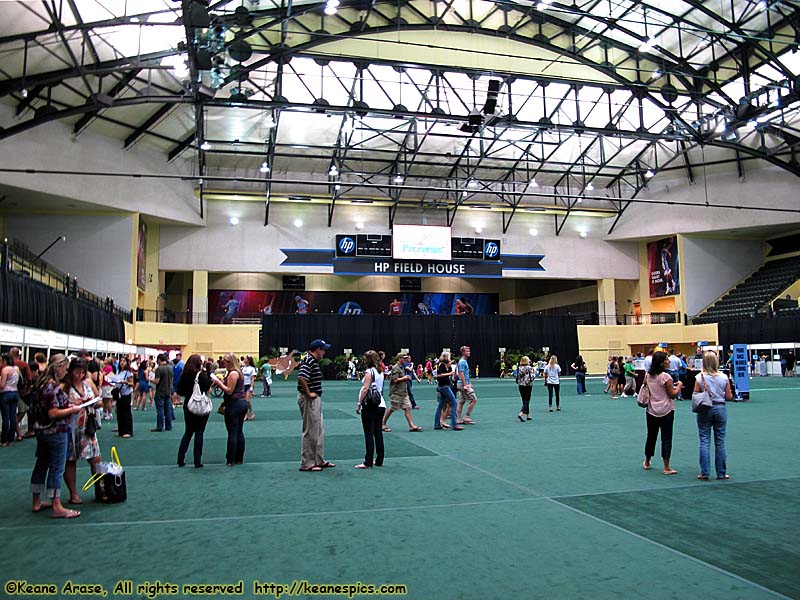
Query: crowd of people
[(68, 399)]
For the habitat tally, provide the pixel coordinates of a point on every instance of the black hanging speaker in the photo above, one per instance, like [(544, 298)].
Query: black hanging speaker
[(491, 97)]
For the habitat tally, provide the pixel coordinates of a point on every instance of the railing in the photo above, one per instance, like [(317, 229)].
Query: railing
[(641, 319), (187, 317), (17, 258)]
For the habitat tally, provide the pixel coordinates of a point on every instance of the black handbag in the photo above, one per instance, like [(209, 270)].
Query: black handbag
[(109, 482), (372, 398)]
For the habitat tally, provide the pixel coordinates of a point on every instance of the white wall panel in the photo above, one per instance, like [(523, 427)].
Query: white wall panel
[(711, 266), (97, 250)]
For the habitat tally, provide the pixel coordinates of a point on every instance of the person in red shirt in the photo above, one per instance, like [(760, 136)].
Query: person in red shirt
[(24, 386), (396, 307)]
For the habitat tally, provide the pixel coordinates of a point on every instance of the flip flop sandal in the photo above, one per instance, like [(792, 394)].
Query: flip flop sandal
[(646, 467), (326, 465), (417, 428), (671, 472), (387, 429), (70, 514), (307, 469)]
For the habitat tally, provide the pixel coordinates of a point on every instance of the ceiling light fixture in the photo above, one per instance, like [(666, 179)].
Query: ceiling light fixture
[(533, 231), (264, 168), (334, 172), (234, 220), (399, 178), (24, 93), (298, 222), (579, 201), (656, 74), (533, 183), (331, 6), (649, 173), (479, 230), (751, 124), (544, 5), (337, 187), (589, 187), (360, 225), (582, 234), (205, 145), (472, 183), (269, 122)]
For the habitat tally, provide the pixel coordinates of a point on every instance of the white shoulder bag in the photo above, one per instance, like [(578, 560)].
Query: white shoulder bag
[(199, 404)]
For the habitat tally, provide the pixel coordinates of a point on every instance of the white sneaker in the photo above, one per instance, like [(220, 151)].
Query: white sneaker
[(624, 395)]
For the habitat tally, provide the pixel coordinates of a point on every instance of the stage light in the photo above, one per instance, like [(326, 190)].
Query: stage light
[(649, 174), (359, 225), (334, 172), (533, 231), (298, 222), (582, 234), (205, 145), (533, 183), (234, 220)]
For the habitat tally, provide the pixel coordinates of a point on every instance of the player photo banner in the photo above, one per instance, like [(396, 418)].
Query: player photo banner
[(662, 262), (240, 306)]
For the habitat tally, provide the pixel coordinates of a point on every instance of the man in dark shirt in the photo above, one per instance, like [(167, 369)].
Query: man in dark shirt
[(163, 381), (309, 399)]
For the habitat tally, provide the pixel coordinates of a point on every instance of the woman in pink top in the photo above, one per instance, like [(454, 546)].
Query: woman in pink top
[(660, 410)]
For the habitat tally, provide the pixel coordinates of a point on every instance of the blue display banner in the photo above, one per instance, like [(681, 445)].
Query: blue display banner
[(741, 372)]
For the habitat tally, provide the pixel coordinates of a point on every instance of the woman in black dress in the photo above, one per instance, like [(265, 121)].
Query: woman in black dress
[(195, 424)]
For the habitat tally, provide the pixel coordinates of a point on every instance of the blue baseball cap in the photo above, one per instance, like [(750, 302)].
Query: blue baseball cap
[(315, 344)]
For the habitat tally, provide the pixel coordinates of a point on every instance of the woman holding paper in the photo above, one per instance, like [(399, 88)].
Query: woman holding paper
[(124, 379), (82, 441)]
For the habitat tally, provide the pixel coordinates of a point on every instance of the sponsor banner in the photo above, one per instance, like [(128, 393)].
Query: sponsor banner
[(662, 264), (741, 371), (417, 268), (421, 242), (228, 306)]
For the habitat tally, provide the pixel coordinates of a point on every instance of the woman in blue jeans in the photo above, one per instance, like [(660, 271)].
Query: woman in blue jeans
[(579, 367), (719, 388), (234, 404), (9, 397), (52, 430), (447, 398)]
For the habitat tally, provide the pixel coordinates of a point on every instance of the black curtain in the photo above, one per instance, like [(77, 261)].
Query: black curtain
[(759, 330), (33, 304), (424, 334)]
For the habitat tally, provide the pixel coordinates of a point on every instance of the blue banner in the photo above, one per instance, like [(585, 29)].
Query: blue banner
[(741, 372)]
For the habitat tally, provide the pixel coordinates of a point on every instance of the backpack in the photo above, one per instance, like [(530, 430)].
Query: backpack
[(38, 410), (373, 397), (199, 404)]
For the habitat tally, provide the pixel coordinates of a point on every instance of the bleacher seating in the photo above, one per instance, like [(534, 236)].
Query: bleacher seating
[(754, 293)]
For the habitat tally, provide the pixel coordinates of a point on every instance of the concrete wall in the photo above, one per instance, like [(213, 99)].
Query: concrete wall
[(52, 146), (97, 250), (712, 266), (249, 246)]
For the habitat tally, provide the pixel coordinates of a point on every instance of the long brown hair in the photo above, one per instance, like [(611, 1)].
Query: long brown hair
[(49, 374), (192, 366), (372, 359)]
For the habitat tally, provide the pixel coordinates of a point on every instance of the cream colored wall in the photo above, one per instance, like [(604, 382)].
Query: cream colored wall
[(149, 299), (597, 342), (626, 290), (202, 339), (566, 298)]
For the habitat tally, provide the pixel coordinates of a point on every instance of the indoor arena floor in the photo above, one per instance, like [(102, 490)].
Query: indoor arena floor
[(558, 507)]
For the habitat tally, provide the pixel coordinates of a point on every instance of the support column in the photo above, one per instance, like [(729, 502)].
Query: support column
[(200, 297), (606, 302)]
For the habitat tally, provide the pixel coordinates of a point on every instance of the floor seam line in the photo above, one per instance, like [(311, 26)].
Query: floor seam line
[(671, 549)]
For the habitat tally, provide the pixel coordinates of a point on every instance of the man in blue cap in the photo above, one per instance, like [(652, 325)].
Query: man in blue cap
[(309, 399)]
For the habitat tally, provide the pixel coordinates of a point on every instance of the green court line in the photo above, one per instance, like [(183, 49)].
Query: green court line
[(276, 515)]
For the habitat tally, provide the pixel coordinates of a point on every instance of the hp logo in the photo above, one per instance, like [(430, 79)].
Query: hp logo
[(490, 250), (347, 245)]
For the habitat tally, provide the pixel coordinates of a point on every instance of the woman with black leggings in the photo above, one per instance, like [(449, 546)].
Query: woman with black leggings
[(372, 416), (525, 376), (234, 404), (660, 410), (553, 383), (195, 424)]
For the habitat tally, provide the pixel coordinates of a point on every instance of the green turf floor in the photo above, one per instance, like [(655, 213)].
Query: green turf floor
[(558, 507)]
